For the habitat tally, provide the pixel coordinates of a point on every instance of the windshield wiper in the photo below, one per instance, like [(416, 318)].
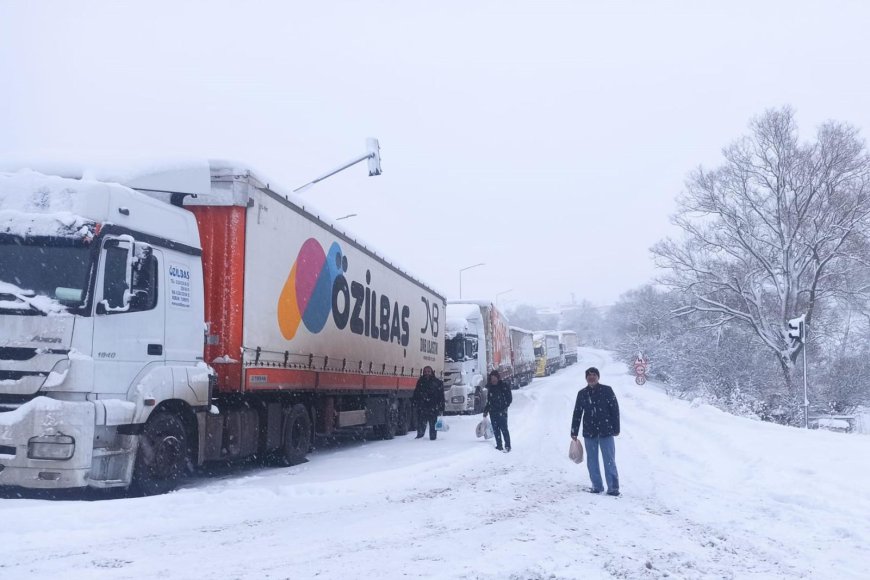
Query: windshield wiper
[(15, 298)]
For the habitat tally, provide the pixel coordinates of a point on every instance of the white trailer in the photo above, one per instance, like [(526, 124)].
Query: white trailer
[(547, 353), (522, 356), (207, 316)]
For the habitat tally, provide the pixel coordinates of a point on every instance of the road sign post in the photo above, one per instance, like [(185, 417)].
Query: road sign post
[(641, 364)]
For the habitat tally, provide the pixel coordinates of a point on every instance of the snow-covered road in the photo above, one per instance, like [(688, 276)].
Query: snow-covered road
[(706, 495)]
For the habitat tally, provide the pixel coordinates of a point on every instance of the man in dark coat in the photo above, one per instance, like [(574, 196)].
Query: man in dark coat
[(429, 400), (498, 399), (596, 406)]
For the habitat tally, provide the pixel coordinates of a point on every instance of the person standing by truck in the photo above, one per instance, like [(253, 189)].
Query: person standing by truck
[(597, 408), (499, 398), (429, 400)]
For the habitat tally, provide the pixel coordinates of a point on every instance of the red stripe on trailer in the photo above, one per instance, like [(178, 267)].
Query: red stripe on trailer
[(381, 382), (280, 380), (340, 381), (407, 383)]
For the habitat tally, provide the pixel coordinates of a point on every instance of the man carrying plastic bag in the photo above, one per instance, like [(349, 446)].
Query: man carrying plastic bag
[(429, 400)]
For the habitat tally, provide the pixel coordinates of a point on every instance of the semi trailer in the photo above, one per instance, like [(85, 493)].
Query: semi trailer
[(522, 356), (548, 356), (155, 321), (568, 346)]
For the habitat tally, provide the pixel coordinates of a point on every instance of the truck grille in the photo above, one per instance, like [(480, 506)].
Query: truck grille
[(15, 353), (12, 402), (18, 375)]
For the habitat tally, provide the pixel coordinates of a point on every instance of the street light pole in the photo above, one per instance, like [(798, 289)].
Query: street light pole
[(460, 276), (344, 217), (372, 154), (500, 293)]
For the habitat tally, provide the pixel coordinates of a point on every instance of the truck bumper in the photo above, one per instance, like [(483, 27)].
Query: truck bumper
[(43, 427), (459, 399)]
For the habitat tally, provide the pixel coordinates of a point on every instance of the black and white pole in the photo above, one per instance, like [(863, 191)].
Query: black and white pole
[(797, 330)]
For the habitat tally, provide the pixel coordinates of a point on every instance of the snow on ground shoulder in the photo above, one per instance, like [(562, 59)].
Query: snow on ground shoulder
[(706, 495)]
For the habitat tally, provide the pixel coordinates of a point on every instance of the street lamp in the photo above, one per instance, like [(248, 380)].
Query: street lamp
[(344, 217), (460, 276), (372, 155), (500, 293)]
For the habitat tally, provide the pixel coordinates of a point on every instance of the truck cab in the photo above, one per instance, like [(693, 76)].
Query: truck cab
[(101, 310), (465, 359)]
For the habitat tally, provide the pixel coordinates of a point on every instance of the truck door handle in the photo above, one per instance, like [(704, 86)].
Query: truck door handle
[(155, 349)]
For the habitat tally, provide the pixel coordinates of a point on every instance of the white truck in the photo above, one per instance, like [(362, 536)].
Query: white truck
[(206, 316), (522, 356), (568, 346), (477, 342), (548, 355)]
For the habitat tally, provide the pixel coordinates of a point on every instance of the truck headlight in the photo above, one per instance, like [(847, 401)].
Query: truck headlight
[(60, 447)]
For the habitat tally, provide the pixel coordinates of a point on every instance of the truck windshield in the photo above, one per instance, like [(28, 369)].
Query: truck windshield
[(454, 349), (43, 275)]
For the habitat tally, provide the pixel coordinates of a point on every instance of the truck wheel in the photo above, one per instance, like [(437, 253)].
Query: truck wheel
[(403, 421), (388, 429), (297, 435), (162, 457)]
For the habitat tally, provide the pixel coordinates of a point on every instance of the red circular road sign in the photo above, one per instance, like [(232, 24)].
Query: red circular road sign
[(640, 379)]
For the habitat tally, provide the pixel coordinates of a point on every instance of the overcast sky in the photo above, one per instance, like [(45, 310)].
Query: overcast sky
[(545, 139)]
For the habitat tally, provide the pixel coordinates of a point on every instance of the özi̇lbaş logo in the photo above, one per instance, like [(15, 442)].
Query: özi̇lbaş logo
[(317, 286)]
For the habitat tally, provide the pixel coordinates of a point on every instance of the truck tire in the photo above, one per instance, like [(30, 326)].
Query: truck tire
[(162, 457), (404, 419), (297, 435), (388, 430)]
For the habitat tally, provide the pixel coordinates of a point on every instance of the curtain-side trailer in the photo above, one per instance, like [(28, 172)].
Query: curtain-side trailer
[(522, 356), (107, 378)]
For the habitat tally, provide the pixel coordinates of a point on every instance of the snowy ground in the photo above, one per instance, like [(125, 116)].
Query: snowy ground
[(706, 495)]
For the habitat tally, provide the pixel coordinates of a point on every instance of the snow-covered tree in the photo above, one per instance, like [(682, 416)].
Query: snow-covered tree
[(771, 233)]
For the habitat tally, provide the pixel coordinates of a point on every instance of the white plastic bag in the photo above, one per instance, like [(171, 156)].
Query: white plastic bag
[(483, 429), (575, 452), (488, 434), (441, 425)]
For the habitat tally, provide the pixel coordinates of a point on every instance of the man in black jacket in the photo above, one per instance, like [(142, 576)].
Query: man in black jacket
[(596, 406), (498, 399), (429, 400)]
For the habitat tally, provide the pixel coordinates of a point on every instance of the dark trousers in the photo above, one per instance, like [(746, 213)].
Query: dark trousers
[(500, 428), (422, 419)]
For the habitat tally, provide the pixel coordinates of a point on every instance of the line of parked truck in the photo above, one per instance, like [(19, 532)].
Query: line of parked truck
[(479, 339), (158, 320)]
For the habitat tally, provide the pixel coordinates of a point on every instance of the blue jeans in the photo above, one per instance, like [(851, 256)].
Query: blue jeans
[(500, 428), (608, 453)]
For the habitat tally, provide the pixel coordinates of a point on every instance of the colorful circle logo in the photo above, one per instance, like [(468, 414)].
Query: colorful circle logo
[(307, 293)]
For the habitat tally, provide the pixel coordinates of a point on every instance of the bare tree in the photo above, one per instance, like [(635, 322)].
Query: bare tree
[(772, 232)]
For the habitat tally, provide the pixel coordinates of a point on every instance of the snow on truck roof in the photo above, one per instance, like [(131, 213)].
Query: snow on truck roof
[(35, 204), (193, 176)]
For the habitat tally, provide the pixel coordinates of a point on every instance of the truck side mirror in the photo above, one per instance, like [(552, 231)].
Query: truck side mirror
[(117, 276)]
